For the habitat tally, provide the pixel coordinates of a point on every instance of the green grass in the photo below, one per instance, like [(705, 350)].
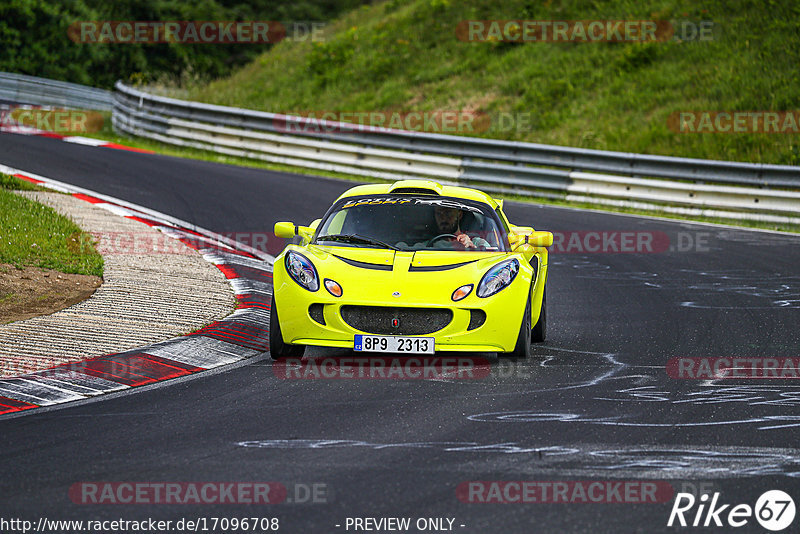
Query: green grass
[(14, 183), (398, 55), (35, 235)]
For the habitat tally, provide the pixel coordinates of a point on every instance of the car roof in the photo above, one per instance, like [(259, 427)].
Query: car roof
[(417, 187)]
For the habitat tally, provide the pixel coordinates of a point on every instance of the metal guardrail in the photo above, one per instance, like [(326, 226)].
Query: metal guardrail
[(689, 186), (23, 89)]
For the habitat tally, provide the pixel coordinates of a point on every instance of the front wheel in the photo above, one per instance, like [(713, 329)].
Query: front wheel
[(277, 348), (539, 332), (523, 346)]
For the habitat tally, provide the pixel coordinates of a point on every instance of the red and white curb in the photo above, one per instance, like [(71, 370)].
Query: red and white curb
[(243, 334)]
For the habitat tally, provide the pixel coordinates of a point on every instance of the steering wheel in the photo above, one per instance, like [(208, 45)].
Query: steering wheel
[(438, 237)]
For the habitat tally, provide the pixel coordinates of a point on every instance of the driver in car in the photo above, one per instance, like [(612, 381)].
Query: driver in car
[(448, 223)]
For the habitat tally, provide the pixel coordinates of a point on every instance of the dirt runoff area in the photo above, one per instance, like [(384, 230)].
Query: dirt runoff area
[(30, 292)]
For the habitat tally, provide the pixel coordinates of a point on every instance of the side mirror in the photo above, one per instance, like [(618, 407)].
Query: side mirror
[(286, 230), (524, 235), (518, 234), (315, 224), (540, 239)]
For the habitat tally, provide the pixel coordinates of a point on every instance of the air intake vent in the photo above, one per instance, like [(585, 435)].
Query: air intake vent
[(315, 311), (414, 191), (476, 319), (416, 187)]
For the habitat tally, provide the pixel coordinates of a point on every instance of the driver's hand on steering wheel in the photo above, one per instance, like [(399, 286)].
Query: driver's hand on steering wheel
[(465, 241)]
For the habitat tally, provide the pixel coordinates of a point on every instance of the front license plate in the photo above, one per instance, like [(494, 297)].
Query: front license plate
[(408, 345)]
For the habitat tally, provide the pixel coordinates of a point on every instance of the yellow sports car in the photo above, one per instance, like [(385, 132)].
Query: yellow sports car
[(411, 267)]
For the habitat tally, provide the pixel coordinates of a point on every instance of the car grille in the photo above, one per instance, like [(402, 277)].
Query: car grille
[(410, 321)]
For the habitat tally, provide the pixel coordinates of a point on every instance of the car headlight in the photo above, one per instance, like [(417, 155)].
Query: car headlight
[(302, 270), (497, 278)]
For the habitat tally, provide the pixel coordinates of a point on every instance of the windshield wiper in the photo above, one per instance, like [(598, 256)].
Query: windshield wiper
[(354, 238)]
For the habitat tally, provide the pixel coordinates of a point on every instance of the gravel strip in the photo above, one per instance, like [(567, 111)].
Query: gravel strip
[(145, 297)]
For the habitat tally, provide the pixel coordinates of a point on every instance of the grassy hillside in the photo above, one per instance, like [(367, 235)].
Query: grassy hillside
[(405, 56), (34, 38)]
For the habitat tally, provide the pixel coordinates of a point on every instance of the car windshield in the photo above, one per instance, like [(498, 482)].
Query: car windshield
[(413, 223)]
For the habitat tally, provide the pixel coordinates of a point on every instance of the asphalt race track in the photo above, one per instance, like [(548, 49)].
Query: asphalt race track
[(594, 403)]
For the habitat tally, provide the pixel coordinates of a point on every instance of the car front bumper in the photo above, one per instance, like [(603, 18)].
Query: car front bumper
[(316, 318)]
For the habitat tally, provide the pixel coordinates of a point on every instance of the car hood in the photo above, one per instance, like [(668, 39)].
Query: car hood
[(385, 259), (421, 276)]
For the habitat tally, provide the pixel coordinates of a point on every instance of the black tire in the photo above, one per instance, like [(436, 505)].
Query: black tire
[(277, 348), (523, 346), (539, 332)]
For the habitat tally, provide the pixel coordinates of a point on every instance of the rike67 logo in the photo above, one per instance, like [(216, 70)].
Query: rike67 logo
[(774, 510)]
